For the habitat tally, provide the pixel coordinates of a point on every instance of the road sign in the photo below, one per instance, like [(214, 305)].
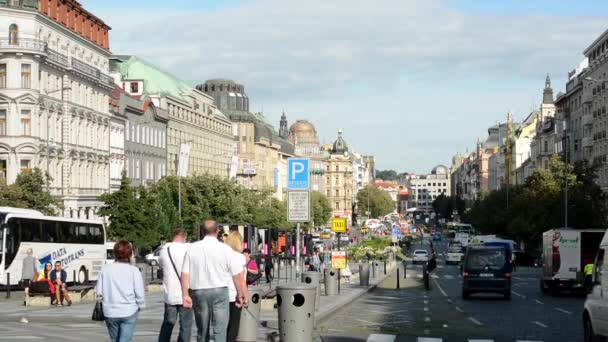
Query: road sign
[(338, 225), (338, 260), (396, 231), (298, 206), (298, 174)]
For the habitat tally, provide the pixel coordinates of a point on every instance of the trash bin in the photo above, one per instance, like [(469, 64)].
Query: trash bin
[(331, 282), (376, 265), (250, 316), (314, 278), (364, 274), (296, 306)]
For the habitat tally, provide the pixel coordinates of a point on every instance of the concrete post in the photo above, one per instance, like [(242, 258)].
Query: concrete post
[(296, 306), (331, 282), (314, 278), (364, 274)]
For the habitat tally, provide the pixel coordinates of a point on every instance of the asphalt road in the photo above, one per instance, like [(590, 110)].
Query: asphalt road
[(413, 314)]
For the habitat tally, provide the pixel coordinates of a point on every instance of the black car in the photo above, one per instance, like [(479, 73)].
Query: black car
[(487, 269)]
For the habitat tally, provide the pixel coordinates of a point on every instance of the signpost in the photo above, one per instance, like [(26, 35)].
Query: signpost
[(338, 260), (338, 225), (298, 197)]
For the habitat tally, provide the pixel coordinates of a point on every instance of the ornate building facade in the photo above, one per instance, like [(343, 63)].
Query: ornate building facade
[(303, 135), (54, 90), (339, 179)]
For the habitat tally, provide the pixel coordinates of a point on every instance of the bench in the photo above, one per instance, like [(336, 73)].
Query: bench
[(78, 294)]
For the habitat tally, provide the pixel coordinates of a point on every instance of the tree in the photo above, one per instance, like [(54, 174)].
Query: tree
[(387, 175), (33, 188), (321, 209), (444, 206), (10, 196), (378, 202)]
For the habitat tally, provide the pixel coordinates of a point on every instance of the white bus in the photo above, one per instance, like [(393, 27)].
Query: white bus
[(78, 244)]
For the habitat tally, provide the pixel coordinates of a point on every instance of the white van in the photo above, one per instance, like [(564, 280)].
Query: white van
[(110, 252), (595, 314)]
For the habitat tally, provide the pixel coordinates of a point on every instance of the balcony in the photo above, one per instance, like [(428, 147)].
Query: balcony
[(92, 72), (587, 120), (587, 142), (22, 45), (57, 57)]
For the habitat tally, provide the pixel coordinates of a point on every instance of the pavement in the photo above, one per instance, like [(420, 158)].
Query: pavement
[(74, 323), (441, 315)]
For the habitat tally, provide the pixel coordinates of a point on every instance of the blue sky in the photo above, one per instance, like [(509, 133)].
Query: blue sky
[(409, 81)]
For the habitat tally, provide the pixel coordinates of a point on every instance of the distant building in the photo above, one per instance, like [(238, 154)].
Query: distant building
[(303, 135), (339, 182), (543, 145), (424, 189)]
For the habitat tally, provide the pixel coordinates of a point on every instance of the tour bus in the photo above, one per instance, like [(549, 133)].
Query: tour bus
[(78, 244)]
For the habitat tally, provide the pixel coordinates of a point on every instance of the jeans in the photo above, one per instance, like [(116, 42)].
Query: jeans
[(172, 312), (234, 322), (121, 329), (211, 313)]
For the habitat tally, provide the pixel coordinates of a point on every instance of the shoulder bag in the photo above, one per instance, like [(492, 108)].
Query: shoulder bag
[(173, 264), (98, 315)]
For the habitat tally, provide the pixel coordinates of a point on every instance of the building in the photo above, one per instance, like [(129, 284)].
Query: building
[(144, 138), (118, 157), (424, 189), (594, 101), (339, 180), (262, 153), (193, 119), (54, 92), (303, 135), (544, 143), (521, 149)]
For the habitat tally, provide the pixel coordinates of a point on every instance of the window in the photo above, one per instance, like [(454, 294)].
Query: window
[(2, 171), (137, 169), (134, 87), (2, 122), (2, 75), (127, 138), (338, 205), (26, 122), (599, 264), (546, 147), (337, 192), (26, 76), (13, 34), (25, 165)]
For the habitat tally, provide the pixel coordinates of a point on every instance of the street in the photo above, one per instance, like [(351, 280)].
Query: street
[(412, 314)]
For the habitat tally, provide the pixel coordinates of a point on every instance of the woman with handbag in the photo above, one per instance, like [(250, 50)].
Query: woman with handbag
[(235, 242), (253, 272), (121, 288), (42, 283)]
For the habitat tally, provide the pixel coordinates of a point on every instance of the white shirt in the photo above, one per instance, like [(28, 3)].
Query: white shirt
[(210, 264), (171, 284), (240, 259)]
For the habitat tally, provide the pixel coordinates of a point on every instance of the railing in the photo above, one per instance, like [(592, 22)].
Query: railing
[(57, 57), (85, 68), (23, 44), (106, 79)]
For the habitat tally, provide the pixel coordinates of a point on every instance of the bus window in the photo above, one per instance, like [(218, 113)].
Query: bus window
[(67, 232), (49, 231), (30, 230), (96, 234)]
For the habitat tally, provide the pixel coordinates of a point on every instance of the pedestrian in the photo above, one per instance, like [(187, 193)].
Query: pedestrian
[(588, 270), (59, 278), (207, 266), (171, 259), (28, 272), (316, 260), (252, 267), (268, 267), (121, 288), (235, 242)]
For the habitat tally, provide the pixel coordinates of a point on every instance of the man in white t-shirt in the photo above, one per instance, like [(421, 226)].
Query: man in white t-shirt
[(171, 259), (205, 287)]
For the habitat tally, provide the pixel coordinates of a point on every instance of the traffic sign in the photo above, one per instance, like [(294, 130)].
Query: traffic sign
[(338, 259), (298, 206), (396, 231), (338, 225), (298, 174)]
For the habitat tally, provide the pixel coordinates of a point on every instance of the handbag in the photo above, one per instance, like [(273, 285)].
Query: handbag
[(172, 263), (252, 277), (98, 315)]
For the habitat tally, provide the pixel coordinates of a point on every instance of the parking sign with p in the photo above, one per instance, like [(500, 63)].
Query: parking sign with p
[(298, 174)]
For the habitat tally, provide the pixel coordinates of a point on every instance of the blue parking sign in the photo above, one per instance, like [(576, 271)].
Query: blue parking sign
[(298, 174)]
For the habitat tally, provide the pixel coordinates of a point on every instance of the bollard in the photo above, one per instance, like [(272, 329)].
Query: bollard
[(384, 267), (314, 278), (8, 285), (364, 274), (74, 277), (250, 316), (404, 270), (425, 278), (373, 269), (279, 270), (296, 312), (397, 278), (331, 282)]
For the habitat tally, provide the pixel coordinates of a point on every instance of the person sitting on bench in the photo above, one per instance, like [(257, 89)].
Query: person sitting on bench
[(41, 282), (59, 278)]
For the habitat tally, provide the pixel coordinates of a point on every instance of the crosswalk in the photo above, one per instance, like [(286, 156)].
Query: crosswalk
[(393, 338)]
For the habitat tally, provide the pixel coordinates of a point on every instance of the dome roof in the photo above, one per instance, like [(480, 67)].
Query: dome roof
[(340, 146), (302, 126)]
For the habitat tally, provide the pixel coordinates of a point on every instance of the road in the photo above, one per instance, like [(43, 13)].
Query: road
[(412, 314)]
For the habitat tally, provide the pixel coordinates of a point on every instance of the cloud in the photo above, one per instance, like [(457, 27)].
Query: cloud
[(320, 57)]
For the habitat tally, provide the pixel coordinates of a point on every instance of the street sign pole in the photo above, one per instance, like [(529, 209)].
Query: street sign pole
[(297, 250), (298, 181)]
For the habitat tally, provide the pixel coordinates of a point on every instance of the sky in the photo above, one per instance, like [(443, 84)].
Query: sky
[(411, 82)]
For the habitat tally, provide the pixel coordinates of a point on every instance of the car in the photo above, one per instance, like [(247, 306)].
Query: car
[(344, 238), (420, 256), (454, 255), (487, 269), (319, 245), (152, 258), (316, 237), (595, 325)]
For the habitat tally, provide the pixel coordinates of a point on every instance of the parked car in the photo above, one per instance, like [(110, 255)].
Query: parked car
[(152, 258), (487, 269), (420, 256), (319, 245)]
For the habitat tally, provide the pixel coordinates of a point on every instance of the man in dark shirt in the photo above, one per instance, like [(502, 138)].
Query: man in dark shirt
[(59, 278)]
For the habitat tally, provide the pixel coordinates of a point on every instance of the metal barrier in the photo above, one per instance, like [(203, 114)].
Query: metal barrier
[(331, 282), (296, 306), (314, 278), (250, 316)]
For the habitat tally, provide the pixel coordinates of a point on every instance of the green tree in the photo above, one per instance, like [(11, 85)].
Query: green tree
[(378, 202), (10, 196), (387, 175), (33, 188), (321, 209), (444, 206)]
